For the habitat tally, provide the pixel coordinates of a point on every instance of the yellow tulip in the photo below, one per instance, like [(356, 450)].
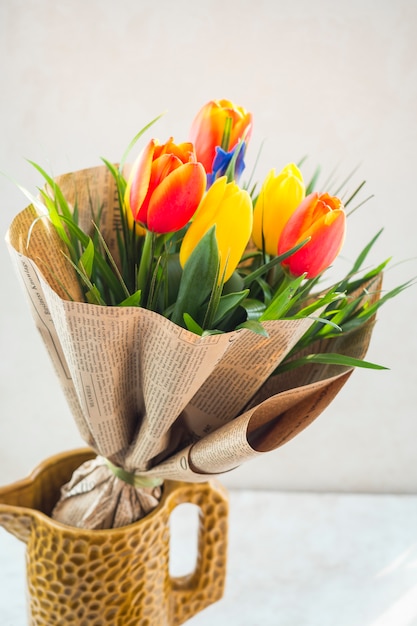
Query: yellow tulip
[(280, 195), (229, 209)]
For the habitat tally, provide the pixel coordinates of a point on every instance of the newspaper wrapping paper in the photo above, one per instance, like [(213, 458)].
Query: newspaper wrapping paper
[(147, 395)]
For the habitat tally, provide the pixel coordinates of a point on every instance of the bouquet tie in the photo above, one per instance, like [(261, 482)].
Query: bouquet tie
[(136, 480)]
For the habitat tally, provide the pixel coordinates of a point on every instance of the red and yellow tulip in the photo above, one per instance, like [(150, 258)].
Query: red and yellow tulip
[(279, 197), (165, 186), (229, 209), (219, 124), (322, 219)]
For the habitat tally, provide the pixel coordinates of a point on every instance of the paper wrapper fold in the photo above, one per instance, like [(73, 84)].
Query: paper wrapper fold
[(152, 397)]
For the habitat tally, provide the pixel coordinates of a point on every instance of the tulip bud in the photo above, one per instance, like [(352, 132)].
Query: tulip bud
[(321, 219), (165, 186), (279, 197), (229, 209), (220, 124)]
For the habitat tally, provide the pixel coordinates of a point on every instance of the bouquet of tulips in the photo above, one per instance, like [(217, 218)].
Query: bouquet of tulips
[(184, 312)]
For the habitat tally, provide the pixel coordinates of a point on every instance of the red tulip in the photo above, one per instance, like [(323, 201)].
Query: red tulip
[(322, 219), (165, 186), (209, 129)]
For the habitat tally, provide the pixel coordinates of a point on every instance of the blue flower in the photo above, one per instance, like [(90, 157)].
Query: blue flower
[(223, 160)]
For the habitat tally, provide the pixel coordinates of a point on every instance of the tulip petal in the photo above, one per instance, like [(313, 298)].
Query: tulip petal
[(175, 200), (161, 168), (278, 199), (203, 219), (205, 139), (233, 230), (316, 219), (184, 151), (295, 228), (138, 182), (208, 127), (229, 208), (322, 249)]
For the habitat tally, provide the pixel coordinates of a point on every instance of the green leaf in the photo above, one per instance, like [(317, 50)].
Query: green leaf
[(93, 296), (230, 171), (112, 262), (85, 264), (100, 262), (312, 183), (120, 181), (254, 308), (56, 220), (320, 301), (255, 327), (227, 130), (61, 201), (337, 191), (227, 304), (364, 253), (92, 293), (192, 325), (145, 263), (355, 193), (359, 205), (133, 300), (370, 309), (135, 139), (266, 267), (328, 358), (198, 279), (233, 284), (212, 331), (282, 301), (112, 169), (326, 322), (262, 290)]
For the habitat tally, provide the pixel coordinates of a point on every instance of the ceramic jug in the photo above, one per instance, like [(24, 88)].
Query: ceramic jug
[(117, 577)]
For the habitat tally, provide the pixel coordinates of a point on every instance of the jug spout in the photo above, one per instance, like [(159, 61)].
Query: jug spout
[(22, 501), (16, 509)]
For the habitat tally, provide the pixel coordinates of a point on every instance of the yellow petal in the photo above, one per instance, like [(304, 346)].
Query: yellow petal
[(229, 208), (280, 195)]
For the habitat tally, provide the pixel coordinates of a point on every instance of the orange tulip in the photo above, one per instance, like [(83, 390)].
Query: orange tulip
[(165, 186), (322, 219), (219, 124)]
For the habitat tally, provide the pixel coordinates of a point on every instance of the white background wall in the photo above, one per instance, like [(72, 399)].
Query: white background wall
[(336, 81)]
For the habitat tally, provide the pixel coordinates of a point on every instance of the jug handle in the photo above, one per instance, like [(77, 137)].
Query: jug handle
[(205, 585)]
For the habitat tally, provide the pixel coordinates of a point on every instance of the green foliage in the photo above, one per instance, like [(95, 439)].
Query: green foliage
[(198, 281), (145, 271), (328, 358)]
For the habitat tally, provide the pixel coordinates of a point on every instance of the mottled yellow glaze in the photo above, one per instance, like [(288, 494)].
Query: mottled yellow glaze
[(117, 577)]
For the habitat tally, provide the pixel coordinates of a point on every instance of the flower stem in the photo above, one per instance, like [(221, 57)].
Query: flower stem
[(144, 271)]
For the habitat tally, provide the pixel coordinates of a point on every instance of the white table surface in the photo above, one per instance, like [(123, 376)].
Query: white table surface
[(294, 560)]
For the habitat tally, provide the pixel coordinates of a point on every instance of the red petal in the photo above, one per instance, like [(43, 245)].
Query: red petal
[(207, 132), (322, 249), (139, 179), (176, 199)]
